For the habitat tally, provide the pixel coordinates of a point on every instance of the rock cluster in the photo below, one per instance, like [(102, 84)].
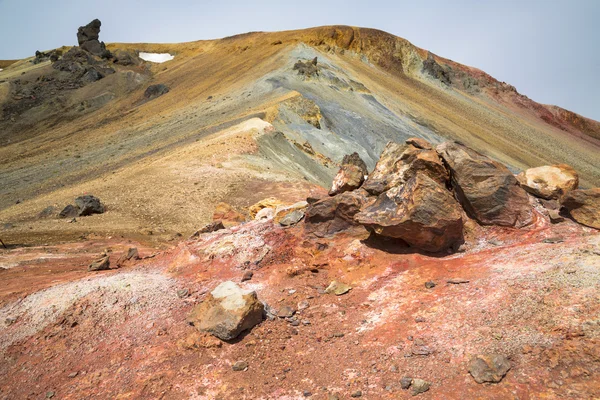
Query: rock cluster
[(422, 196), (307, 68)]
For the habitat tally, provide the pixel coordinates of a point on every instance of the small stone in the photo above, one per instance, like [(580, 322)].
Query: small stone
[(495, 242), (73, 374), (552, 240), (419, 386), (457, 281), (555, 216), (247, 276), (286, 312), (333, 396), (337, 288), (240, 366), (50, 394), (10, 320), (183, 293), (394, 368), (303, 305), (489, 367), (405, 382), (429, 284), (357, 393), (306, 393), (338, 335)]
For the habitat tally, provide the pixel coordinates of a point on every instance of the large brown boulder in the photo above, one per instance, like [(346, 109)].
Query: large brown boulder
[(550, 181), (487, 190), (227, 311), (400, 162), (421, 212), (583, 206), (334, 214)]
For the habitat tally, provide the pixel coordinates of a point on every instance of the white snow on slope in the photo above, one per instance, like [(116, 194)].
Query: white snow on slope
[(156, 57)]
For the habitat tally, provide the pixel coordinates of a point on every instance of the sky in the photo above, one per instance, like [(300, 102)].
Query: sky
[(548, 49)]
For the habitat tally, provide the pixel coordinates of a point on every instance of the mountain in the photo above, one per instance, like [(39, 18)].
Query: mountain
[(324, 213), (164, 164)]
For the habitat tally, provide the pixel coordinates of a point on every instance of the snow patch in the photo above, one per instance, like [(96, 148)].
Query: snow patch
[(156, 57)]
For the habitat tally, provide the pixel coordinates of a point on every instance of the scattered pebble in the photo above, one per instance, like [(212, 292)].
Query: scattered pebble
[(357, 393), (405, 382), (240, 366), (247, 276), (429, 284), (457, 281), (419, 386)]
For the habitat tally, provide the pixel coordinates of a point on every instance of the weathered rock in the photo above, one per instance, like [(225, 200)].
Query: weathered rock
[(583, 206), (282, 211), (435, 70), (270, 202), (126, 57), (88, 32), (208, 228), (398, 163), (307, 68), (555, 216), (89, 205), (100, 264), (350, 176), (47, 212), (419, 143), (488, 367), (337, 288), (292, 218), (265, 213), (154, 91), (487, 190), (70, 211), (227, 311), (131, 254), (334, 214), (549, 182), (316, 194), (247, 276), (421, 212), (227, 215), (419, 386)]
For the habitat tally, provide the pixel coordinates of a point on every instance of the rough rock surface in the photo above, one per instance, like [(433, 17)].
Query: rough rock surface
[(488, 368), (487, 190), (87, 38), (70, 211), (583, 206), (227, 311), (208, 228), (227, 215), (549, 182), (88, 205), (100, 264), (350, 176), (421, 212), (383, 176), (334, 214)]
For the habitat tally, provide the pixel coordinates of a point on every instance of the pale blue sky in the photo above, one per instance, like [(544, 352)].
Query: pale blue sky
[(548, 49)]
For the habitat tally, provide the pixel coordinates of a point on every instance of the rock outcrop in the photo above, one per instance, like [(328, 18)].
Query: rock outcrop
[(583, 206), (88, 39), (227, 311), (549, 182), (154, 91), (487, 190), (350, 176)]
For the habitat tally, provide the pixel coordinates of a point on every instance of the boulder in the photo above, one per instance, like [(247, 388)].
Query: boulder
[(292, 218), (334, 214), (88, 205), (126, 57), (487, 190), (282, 211), (583, 206), (154, 91), (227, 311), (399, 163), (350, 176), (421, 212), (100, 264), (131, 254), (489, 368), (70, 211), (549, 182)]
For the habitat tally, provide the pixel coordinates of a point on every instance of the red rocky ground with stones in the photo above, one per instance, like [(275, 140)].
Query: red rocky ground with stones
[(400, 322)]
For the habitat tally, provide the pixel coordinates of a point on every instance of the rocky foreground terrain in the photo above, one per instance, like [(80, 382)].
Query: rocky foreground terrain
[(329, 214)]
